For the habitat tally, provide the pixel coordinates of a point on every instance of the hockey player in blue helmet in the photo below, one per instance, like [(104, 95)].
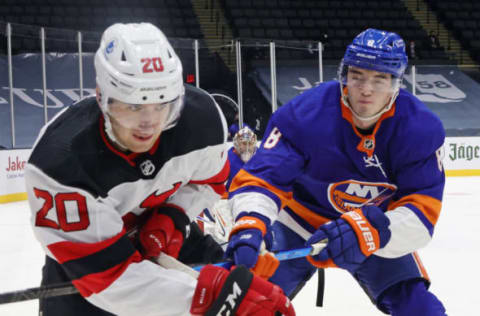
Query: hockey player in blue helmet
[(354, 165), (379, 56)]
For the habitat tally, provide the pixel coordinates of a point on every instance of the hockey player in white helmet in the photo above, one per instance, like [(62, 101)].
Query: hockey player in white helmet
[(139, 85), (114, 180)]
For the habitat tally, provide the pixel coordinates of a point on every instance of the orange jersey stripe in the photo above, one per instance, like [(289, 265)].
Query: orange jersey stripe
[(308, 215), (428, 205), (248, 222), (244, 179), (420, 266), (347, 114)]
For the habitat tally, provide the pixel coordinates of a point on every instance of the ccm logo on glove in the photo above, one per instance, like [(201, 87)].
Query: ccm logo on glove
[(237, 292), (232, 300)]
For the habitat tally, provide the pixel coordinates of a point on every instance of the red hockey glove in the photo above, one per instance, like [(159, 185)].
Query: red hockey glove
[(237, 292), (164, 231)]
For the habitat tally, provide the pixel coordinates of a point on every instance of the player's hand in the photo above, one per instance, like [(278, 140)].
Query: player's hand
[(199, 248), (237, 292), (351, 239), (245, 246), (164, 231)]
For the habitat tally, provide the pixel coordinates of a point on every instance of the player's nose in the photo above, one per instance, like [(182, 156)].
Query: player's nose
[(146, 118), (367, 88), (150, 116)]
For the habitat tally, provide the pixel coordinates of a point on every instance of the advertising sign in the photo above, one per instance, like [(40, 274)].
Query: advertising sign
[(462, 156), (12, 167)]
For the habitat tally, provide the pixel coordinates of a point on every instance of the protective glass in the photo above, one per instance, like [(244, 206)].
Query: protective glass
[(147, 117), (380, 82)]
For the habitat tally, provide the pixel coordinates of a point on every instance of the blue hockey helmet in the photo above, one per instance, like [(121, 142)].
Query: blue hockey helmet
[(377, 50)]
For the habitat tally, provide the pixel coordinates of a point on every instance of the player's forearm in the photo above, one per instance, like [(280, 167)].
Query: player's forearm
[(245, 203), (194, 198), (212, 165), (408, 233)]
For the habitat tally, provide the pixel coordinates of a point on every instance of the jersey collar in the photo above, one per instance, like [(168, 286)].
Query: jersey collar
[(367, 142), (128, 157)]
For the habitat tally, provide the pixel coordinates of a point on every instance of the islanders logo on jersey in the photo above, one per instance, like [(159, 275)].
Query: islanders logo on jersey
[(346, 195)]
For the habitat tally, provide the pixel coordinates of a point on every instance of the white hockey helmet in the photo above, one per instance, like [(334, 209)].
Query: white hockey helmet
[(135, 64), (245, 143)]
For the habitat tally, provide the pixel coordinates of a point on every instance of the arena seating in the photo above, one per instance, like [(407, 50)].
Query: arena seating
[(463, 18), (334, 23), (175, 17)]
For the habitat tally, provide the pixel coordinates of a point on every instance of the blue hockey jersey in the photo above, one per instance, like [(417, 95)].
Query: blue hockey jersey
[(314, 165), (236, 164)]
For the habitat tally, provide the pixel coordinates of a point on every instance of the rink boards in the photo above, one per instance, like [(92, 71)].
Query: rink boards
[(461, 158)]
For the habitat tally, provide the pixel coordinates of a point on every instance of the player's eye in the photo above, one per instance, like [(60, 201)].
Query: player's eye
[(359, 80), (381, 83), (135, 107), (159, 107)]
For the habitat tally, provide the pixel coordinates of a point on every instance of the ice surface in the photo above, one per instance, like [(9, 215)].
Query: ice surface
[(451, 259)]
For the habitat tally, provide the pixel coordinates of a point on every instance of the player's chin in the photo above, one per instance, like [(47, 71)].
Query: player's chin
[(364, 111), (141, 144)]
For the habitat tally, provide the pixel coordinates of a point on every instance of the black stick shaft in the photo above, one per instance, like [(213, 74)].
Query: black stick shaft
[(38, 292)]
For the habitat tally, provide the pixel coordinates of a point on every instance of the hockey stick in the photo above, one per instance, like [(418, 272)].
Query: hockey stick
[(163, 260), (281, 255), (67, 288), (38, 292)]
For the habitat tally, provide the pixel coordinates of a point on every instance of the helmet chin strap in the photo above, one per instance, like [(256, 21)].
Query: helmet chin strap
[(386, 108), (108, 124), (111, 134)]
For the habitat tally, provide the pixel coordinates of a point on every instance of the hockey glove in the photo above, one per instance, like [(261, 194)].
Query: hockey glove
[(237, 292), (247, 248), (164, 231), (351, 239), (200, 248)]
